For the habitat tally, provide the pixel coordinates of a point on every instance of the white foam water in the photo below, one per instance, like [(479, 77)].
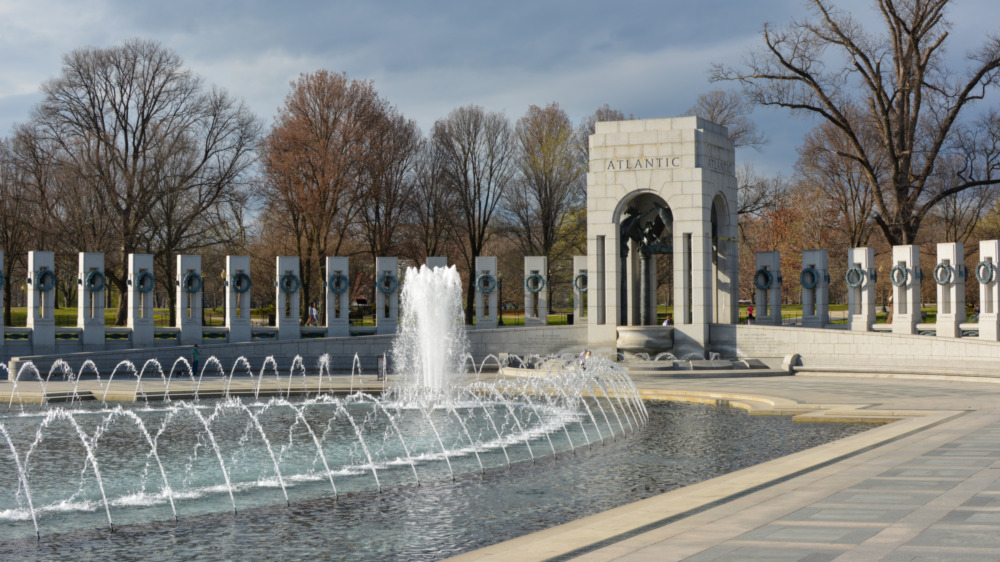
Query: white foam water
[(431, 347)]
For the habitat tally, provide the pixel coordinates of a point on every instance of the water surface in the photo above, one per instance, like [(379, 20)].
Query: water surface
[(682, 444)]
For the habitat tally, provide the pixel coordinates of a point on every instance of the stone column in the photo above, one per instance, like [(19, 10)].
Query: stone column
[(989, 290), (905, 277), (579, 288), (288, 298), (190, 299), (386, 295), (141, 283), (91, 286), (647, 289), (536, 300), (238, 286), (767, 288), (3, 282), (949, 276), (815, 280), (41, 302), (436, 261), (338, 297), (486, 292), (861, 296)]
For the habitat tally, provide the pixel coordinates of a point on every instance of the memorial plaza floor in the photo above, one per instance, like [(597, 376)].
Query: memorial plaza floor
[(924, 487)]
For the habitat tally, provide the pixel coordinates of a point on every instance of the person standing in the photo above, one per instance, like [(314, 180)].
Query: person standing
[(194, 360), (313, 313), (750, 316)]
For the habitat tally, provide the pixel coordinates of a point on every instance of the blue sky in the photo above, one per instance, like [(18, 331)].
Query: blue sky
[(647, 58)]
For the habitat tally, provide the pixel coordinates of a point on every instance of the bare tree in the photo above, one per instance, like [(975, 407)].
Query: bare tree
[(541, 199), (588, 125), (957, 216), (17, 220), (312, 163), (49, 188), (900, 85), (730, 109), (196, 188), (435, 217), (757, 192), (843, 181), (72, 220), (118, 118), (387, 178), (478, 153)]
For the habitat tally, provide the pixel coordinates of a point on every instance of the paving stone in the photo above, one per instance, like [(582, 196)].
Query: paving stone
[(992, 453), (921, 554), (774, 554), (909, 472), (972, 446), (896, 499), (811, 533), (950, 535), (988, 437), (983, 500), (906, 484), (860, 514), (940, 461), (970, 517)]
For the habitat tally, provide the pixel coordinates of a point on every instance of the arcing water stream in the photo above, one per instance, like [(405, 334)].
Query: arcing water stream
[(90, 464)]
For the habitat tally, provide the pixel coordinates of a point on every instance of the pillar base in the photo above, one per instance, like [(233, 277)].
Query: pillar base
[(651, 340)]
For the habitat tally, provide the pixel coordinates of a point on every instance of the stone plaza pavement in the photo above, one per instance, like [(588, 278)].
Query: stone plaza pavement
[(925, 487)]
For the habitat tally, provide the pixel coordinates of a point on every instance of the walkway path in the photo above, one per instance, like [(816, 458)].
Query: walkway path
[(926, 487)]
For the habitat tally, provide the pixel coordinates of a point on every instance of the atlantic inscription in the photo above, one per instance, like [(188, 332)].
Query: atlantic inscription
[(625, 164), (644, 163)]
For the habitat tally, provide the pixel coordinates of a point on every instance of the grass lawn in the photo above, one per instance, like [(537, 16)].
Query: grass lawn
[(66, 316)]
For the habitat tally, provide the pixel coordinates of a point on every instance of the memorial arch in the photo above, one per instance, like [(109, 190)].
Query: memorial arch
[(644, 226), (658, 188)]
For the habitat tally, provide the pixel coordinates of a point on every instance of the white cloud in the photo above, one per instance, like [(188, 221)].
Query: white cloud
[(645, 57)]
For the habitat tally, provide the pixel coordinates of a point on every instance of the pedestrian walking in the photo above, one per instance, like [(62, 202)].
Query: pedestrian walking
[(194, 360)]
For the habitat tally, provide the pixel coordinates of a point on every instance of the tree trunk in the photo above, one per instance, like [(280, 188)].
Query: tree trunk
[(6, 302), (121, 283), (470, 298)]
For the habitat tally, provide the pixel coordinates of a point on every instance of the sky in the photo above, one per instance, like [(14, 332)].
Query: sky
[(646, 58)]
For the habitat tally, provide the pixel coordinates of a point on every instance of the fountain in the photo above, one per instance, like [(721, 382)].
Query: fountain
[(277, 441), (430, 350)]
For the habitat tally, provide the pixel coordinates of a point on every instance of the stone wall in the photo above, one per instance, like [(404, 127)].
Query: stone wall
[(520, 341), (843, 351), (818, 350)]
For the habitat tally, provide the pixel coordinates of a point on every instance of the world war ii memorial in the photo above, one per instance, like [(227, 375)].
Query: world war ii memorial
[(120, 437)]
